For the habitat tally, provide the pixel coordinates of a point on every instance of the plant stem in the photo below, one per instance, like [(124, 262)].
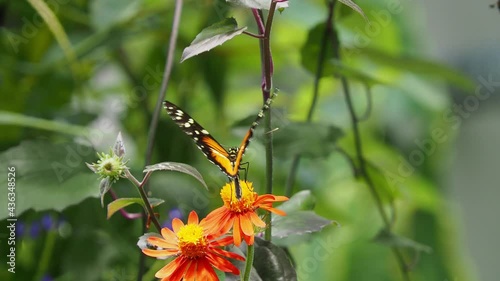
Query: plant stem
[(359, 150), (249, 262), (267, 71), (140, 188), (44, 260)]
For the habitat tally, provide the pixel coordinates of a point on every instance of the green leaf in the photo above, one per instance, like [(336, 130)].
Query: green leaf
[(308, 139), (341, 69), (212, 36), (104, 14), (179, 167), (390, 239), (272, 263), (258, 4), (16, 119), (355, 7), (48, 176), (300, 201), (55, 27), (299, 223), (420, 66), (310, 52), (120, 203)]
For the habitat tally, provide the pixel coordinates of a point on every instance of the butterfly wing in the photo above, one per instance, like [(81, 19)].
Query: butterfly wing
[(214, 152), (248, 136)]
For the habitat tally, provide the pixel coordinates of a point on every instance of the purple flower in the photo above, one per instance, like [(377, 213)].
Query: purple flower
[(47, 277), (47, 222), (175, 213), (35, 229), (20, 229)]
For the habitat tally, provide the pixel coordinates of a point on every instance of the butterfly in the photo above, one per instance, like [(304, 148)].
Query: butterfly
[(229, 160)]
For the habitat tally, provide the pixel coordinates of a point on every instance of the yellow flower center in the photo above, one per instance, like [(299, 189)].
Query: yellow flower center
[(248, 196), (192, 241)]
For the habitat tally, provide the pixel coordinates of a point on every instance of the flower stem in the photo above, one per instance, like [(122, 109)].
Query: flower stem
[(140, 188), (249, 262), (267, 62), (48, 248)]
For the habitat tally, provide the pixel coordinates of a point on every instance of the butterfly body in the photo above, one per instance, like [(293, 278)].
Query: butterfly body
[(229, 160)]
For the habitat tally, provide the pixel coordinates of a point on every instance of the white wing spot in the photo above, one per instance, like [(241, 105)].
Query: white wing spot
[(204, 132), (197, 132), (187, 124), (178, 117), (191, 121)]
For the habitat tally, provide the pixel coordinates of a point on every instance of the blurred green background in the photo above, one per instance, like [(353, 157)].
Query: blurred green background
[(431, 139)]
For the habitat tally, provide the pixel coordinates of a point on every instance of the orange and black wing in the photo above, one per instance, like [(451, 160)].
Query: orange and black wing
[(214, 152), (248, 136)]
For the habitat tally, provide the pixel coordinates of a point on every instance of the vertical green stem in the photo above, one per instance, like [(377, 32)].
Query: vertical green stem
[(44, 261), (249, 262), (266, 91)]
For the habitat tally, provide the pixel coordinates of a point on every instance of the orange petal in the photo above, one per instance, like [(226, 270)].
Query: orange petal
[(274, 210), (256, 220), (181, 271), (193, 218), (159, 253), (249, 239), (236, 231), (170, 268), (168, 234), (160, 242), (246, 225), (222, 264), (191, 272), (205, 271), (222, 242), (228, 254), (177, 224)]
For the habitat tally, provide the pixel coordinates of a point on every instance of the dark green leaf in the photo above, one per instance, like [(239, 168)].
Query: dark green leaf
[(49, 176), (179, 167), (120, 203), (212, 36), (392, 240), (307, 139), (298, 223), (311, 50), (272, 263), (300, 201)]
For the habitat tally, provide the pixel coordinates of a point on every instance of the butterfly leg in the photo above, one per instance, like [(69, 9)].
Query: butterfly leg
[(245, 169)]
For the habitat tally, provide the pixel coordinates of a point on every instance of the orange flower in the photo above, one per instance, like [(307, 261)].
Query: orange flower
[(240, 214), (197, 251)]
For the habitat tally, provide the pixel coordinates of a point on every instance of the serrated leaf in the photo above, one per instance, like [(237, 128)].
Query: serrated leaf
[(300, 201), (212, 36), (104, 187), (392, 240), (258, 4), (272, 263), (121, 203), (179, 167), (119, 147), (298, 223), (355, 7), (52, 176), (308, 139)]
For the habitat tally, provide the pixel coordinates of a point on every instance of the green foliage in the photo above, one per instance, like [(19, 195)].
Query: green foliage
[(93, 68)]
